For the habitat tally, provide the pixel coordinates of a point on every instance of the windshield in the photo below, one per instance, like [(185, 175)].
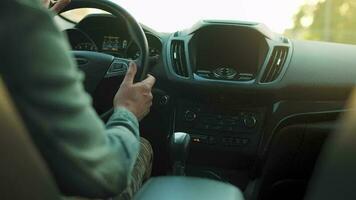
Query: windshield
[(326, 20), (168, 16)]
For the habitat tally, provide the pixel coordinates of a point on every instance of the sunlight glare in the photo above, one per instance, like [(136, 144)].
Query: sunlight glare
[(170, 16)]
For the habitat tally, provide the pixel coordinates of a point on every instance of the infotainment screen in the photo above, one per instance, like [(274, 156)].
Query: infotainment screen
[(228, 50)]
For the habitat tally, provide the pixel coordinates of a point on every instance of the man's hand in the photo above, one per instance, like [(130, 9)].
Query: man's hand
[(58, 4), (136, 97)]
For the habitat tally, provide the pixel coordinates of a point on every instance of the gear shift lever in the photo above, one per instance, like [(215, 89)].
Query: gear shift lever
[(179, 147)]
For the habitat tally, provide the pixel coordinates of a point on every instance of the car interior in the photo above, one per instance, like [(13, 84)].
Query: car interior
[(239, 112)]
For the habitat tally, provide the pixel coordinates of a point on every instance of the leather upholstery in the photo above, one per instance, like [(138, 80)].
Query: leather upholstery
[(23, 174)]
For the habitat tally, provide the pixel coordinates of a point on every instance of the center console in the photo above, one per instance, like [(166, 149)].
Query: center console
[(220, 65), (222, 131)]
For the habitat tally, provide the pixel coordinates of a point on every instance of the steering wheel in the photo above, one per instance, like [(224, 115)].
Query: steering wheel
[(98, 66)]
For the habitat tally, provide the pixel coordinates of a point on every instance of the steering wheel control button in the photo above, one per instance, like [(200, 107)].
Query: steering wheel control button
[(225, 73), (190, 116), (117, 68)]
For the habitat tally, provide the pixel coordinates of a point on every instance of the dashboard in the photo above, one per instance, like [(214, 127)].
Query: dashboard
[(107, 34), (242, 82), (229, 84)]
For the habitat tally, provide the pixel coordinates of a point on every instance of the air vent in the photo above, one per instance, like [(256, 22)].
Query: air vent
[(275, 64), (179, 61)]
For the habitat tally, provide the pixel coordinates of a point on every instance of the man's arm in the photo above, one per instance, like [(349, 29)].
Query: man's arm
[(86, 158)]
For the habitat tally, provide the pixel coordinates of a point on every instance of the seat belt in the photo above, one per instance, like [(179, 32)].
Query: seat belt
[(23, 173), (335, 173)]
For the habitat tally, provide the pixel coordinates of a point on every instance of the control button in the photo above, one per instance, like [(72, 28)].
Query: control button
[(237, 141), (190, 116), (225, 73), (196, 140), (245, 77), (250, 121), (200, 139), (164, 100), (203, 139), (245, 141), (117, 68), (234, 141), (229, 122), (227, 141)]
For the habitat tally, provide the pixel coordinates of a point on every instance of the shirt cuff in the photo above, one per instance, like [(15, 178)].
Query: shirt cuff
[(122, 111), (124, 117)]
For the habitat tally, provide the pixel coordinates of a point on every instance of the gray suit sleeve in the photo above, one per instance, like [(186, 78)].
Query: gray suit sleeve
[(86, 157)]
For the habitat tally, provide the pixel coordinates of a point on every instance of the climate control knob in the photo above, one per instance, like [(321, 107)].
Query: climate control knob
[(190, 116), (250, 121)]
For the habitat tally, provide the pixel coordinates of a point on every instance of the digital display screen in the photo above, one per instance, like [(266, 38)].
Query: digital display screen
[(113, 43), (230, 48)]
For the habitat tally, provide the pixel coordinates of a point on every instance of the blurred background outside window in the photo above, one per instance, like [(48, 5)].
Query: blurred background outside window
[(323, 20)]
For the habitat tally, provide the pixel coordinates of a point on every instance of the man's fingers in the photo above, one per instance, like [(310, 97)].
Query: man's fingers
[(130, 74), (149, 81), (59, 5)]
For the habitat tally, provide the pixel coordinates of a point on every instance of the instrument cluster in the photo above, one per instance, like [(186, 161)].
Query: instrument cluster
[(105, 34)]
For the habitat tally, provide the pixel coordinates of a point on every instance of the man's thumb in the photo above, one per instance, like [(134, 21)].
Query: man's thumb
[(130, 74)]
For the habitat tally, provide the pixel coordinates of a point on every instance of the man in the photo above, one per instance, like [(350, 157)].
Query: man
[(86, 157)]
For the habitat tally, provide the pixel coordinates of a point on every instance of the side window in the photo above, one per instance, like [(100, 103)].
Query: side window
[(76, 15), (69, 18)]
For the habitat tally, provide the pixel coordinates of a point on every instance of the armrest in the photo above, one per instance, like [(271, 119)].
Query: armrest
[(187, 188)]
